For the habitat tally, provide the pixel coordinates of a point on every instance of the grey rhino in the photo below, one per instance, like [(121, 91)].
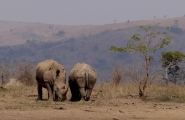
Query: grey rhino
[(82, 79), (52, 76)]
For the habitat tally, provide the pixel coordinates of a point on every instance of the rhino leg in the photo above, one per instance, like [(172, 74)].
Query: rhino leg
[(50, 92), (55, 97), (39, 89), (83, 94), (74, 91), (88, 94)]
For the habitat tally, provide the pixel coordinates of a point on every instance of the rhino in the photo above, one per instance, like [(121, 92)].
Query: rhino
[(82, 79), (52, 76)]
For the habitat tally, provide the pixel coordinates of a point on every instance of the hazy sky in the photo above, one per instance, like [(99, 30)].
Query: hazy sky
[(86, 12)]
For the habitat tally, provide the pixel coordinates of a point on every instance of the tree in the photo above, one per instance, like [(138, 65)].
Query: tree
[(60, 33), (145, 46), (171, 62)]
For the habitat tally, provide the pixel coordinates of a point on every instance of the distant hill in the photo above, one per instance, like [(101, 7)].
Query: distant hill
[(68, 45), (13, 33)]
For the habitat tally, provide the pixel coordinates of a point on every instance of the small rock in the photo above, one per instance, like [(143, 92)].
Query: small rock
[(115, 118), (121, 111), (60, 108)]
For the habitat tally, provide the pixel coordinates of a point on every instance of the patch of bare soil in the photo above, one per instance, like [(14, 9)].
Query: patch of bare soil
[(95, 109)]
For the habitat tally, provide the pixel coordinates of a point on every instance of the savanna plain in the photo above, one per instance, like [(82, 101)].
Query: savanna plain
[(108, 102)]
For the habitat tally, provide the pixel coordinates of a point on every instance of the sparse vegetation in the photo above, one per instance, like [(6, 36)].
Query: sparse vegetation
[(126, 73), (128, 86), (24, 97), (117, 97), (145, 46), (105, 96), (22, 72), (155, 92)]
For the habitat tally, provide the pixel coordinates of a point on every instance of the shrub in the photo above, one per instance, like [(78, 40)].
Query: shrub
[(25, 73), (117, 74), (5, 73), (123, 73)]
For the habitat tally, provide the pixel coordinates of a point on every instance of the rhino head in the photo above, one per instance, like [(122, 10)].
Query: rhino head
[(60, 91), (57, 83)]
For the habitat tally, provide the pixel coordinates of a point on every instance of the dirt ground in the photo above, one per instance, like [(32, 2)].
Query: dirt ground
[(19, 103), (96, 109)]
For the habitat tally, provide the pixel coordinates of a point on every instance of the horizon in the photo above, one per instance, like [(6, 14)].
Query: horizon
[(89, 24)]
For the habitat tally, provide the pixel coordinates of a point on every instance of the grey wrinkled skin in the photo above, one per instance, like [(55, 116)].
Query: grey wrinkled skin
[(82, 79), (52, 76)]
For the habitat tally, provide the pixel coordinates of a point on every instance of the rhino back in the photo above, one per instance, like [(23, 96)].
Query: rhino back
[(46, 65), (92, 71), (77, 67)]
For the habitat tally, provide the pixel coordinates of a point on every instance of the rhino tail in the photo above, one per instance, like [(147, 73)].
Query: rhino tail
[(87, 80)]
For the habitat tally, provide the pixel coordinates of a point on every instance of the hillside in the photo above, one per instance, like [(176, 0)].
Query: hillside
[(13, 33), (68, 45)]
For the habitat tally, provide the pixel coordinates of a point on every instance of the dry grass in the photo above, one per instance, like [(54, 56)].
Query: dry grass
[(109, 91), (171, 93), (24, 98), (107, 102), (21, 98)]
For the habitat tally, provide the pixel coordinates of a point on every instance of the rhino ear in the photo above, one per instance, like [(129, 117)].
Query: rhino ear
[(57, 72)]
